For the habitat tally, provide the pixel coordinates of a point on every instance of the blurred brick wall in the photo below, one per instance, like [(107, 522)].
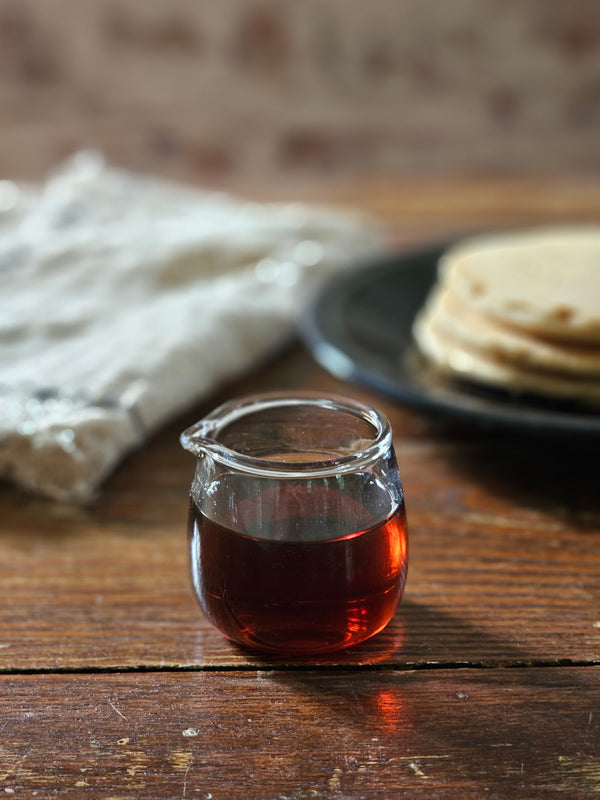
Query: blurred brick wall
[(210, 89)]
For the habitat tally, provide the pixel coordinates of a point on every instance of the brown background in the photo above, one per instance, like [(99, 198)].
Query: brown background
[(297, 91)]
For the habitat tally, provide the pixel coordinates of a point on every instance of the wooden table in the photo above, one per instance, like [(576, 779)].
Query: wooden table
[(486, 684)]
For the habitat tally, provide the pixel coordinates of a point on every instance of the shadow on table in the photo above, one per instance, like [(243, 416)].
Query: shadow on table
[(556, 477), (396, 715)]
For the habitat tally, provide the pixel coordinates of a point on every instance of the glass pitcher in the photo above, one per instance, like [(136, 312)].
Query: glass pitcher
[(297, 524)]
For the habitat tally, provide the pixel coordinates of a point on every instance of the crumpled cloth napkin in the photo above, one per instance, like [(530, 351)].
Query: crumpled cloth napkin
[(125, 299)]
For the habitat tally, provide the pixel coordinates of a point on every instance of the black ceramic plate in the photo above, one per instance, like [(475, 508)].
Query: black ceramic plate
[(360, 330)]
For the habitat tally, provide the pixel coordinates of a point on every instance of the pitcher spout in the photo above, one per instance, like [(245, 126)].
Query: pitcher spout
[(197, 439)]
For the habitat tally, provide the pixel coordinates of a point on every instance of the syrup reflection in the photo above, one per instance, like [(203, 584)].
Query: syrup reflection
[(389, 709), (380, 649), (380, 704)]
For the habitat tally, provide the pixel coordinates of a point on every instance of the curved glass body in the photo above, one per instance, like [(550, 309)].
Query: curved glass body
[(297, 524)]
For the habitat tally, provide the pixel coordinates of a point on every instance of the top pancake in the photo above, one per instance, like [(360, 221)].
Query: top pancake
[(544, 281)]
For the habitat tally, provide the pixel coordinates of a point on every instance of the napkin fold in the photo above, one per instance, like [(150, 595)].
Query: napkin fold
[(125, 299)]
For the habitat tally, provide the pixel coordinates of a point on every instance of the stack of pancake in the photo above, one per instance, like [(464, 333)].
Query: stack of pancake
[(519, 311)]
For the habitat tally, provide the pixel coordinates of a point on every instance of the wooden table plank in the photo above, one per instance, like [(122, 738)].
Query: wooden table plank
[(116, 686), (301, 734), (504, 562)]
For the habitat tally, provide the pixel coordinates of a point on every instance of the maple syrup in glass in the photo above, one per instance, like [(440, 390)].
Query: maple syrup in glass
[(297, 524)]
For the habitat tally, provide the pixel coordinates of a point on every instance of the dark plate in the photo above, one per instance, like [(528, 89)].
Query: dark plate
[(360, 330)]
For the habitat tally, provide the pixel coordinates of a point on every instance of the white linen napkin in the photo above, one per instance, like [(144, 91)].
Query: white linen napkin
[(125, 299)]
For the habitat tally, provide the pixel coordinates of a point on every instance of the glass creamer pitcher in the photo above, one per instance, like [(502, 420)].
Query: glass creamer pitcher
[(297, 524)]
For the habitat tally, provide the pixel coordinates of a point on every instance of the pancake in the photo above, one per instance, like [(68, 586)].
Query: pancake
[(519, 311), (468, 327), (544, 281), (456, 361)]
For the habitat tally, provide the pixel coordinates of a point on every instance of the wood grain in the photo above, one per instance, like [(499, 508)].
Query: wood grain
[(504, 558), (486, 684), (302, 734)]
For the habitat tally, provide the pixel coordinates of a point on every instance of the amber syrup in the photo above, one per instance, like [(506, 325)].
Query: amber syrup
[(313, 595)]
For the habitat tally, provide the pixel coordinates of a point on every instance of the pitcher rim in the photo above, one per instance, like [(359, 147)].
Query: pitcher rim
[(196, 439)]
